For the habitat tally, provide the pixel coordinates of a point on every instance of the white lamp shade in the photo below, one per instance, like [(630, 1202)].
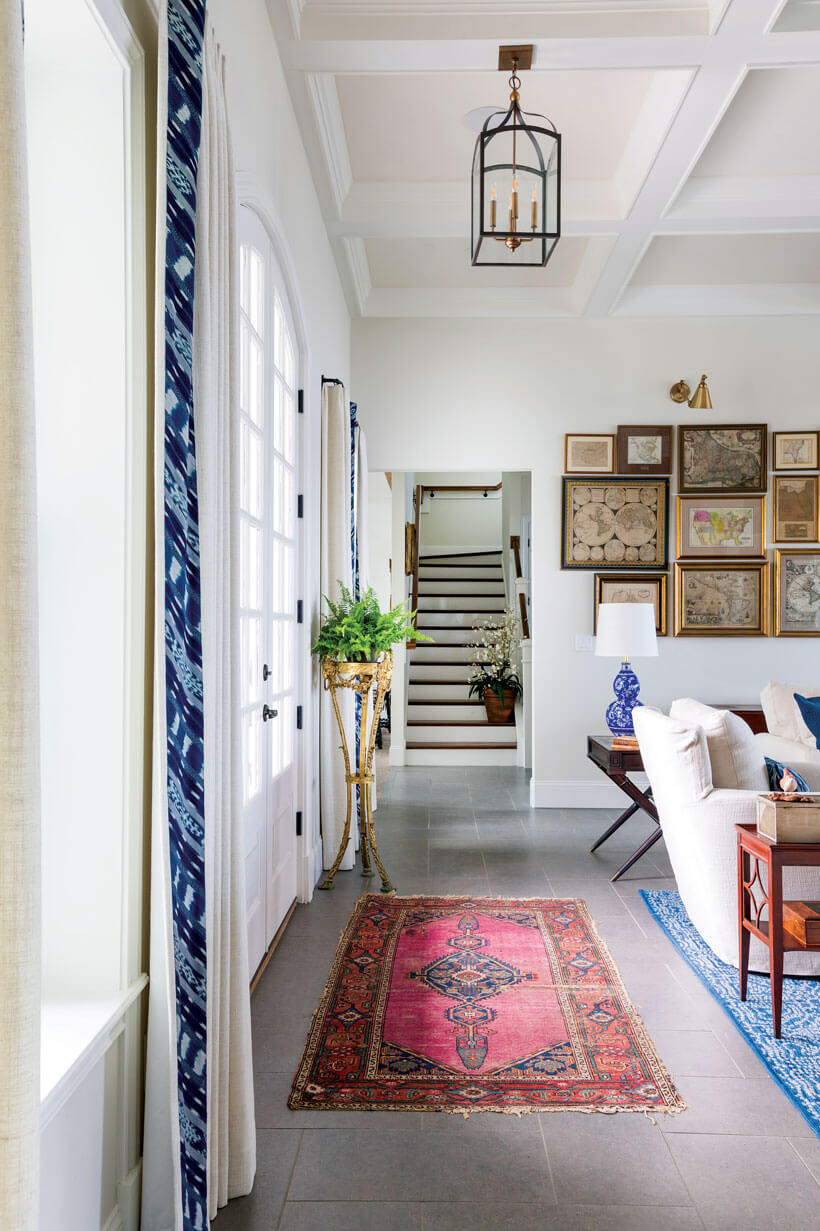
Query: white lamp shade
[(626, 630)]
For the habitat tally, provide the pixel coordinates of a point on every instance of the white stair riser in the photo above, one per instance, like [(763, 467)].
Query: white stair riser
[(448, 636), (476, 572), (468, 588), (430, 693), (457, 671), (488, 557), (489, 603), (461, 756), (452, 619), (445, 713), (482, 733), (442, 653)]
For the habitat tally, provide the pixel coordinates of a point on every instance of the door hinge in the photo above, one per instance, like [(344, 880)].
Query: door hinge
[(300, 611), (298, 718), (300, 505), (298, 824), (300, 401)]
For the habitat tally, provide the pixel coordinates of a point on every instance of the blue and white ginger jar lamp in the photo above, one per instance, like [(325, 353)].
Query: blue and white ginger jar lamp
[(625, 630)]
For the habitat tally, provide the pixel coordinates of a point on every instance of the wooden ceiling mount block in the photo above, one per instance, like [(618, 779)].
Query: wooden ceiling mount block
[(522, 53)]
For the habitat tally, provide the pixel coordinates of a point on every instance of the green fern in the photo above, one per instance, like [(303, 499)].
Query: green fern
[(359, 631)]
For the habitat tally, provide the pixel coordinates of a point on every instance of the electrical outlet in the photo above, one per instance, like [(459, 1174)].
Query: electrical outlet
[(584, 643)]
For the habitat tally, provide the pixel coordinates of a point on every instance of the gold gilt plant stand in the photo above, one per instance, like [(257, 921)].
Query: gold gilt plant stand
[(362, 678)]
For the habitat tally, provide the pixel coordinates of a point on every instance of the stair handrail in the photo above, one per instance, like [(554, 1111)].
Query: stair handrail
[(515, 545), (418, 496)]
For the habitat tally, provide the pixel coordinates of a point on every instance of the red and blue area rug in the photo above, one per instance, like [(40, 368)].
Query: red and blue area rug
[(477, 1004)]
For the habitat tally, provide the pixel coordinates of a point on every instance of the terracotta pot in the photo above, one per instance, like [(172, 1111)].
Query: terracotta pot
[(497, 710)]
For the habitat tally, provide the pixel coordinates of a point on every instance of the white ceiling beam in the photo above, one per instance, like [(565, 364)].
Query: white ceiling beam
[(401, 56), (434, 302), (712, 89), (765, 196), (748, 299)]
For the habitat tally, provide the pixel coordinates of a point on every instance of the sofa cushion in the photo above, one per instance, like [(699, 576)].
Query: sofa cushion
[(782, 712), (810, 709), (776, 770), (675, 757), (738, 763)]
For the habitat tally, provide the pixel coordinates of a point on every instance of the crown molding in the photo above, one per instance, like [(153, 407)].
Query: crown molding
[(327, 113), (359, 271)]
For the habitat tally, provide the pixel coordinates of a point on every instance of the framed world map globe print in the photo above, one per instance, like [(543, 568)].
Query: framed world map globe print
[(614, 523)]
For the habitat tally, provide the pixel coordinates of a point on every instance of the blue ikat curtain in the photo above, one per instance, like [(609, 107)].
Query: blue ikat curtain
[(183, 633)]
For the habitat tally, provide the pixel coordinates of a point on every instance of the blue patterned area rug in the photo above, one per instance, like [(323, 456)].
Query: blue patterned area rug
[(794, 1059)]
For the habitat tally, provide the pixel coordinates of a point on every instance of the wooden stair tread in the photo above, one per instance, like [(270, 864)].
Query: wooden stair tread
[(449, 701), (439, 683), (456, 610), (487, 747), (459, 555), (455, 722)]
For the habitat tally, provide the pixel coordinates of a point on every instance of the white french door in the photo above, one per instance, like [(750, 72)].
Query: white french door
[(268, 572)]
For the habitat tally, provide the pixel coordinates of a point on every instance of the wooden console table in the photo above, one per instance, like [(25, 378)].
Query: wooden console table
[(754, 852)]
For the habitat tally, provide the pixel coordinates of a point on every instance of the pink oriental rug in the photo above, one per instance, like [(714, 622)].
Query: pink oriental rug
[(477, 1004)]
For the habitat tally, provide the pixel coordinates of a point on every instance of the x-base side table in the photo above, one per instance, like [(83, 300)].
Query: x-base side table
[(617, 764)]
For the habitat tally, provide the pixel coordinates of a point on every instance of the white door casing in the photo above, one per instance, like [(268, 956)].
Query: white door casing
[(268, 571)]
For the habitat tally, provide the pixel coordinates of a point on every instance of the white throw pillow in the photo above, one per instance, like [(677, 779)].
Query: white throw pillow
[(675, 757), (782, 712), (738, 763)]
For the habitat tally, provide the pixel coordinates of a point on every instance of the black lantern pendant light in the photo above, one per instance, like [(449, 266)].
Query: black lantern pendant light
[(516, 180)]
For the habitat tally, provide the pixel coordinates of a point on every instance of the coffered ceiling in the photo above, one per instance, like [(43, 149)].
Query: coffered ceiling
[(691, 143)]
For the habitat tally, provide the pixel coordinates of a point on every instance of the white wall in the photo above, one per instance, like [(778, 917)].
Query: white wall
[(443, 394), (274, 177), (380, 536)]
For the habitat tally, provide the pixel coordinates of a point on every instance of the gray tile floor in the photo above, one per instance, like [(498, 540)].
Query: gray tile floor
[(740, 1157)]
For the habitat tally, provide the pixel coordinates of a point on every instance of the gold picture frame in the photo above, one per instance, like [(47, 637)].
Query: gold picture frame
[(796, 503), (796, 450), (721, 527), (797, 592), (614, 523), (633, 588), (589, 453), (722, 457), (718, 599)]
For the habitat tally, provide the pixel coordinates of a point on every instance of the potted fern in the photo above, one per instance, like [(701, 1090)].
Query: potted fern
[(494, 677), (358, 631)]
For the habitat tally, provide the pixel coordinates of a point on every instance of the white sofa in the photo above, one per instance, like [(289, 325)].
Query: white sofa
[(788, 738), (706, 768)]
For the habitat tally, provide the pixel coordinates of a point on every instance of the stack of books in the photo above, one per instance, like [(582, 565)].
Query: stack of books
[(627, 743)]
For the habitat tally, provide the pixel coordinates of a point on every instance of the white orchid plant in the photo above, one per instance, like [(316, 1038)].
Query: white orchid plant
[(495, 646)]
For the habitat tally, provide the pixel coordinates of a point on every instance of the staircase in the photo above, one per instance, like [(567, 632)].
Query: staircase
[(444, 725)]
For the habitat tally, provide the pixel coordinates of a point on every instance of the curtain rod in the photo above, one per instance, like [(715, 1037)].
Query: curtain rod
[(331, 380)]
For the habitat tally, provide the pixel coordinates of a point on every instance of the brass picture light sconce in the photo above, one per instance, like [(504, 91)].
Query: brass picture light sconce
[(700, 399)]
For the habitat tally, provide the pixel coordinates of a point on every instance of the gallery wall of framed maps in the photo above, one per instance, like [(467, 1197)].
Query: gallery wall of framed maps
[(625, 494)]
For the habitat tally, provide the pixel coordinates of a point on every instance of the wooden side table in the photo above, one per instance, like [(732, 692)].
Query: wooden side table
[(617, 764), (754, 853)]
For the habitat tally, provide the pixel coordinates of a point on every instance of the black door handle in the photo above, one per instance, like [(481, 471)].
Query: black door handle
[(267, 713), (266, 672)]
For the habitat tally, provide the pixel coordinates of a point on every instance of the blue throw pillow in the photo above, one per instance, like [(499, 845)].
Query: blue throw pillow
[(776, 771), (810, 709)]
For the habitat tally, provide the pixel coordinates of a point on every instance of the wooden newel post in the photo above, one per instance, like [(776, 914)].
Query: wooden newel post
[(362, 678)]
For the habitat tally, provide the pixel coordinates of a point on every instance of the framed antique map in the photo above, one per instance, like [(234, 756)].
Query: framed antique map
[(644, 450), (721, 600), (795, 508), (796, 450), (797, 593), (614, 523), (629, 588), (721, 527), (728, 457), (587, 454)]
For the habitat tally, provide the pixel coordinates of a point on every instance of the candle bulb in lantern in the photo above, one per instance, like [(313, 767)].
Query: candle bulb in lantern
[(493, 202), (514, 199), (534, 210)]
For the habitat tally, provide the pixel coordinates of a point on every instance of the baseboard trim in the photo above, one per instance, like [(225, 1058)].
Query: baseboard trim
[(578, 793)]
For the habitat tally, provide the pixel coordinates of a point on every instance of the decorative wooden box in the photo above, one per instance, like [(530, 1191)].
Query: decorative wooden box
[(786, 821)]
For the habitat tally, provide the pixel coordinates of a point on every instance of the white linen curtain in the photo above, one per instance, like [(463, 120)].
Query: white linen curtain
[(231, 1127), (336, 566), (19, 686), (231, 1133)]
